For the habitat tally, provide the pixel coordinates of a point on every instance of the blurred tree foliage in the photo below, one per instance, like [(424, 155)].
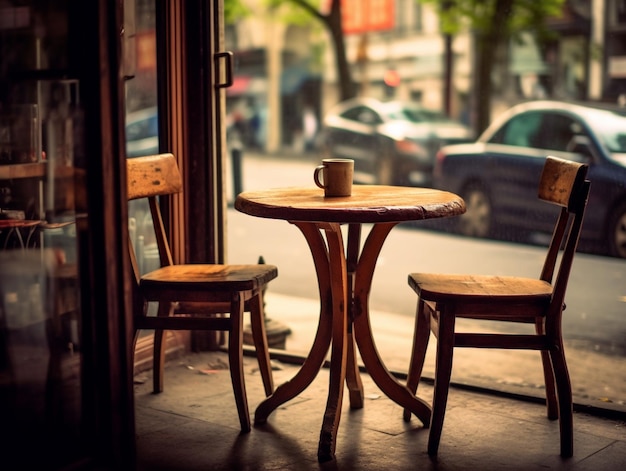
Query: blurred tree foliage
[(304, 11), (494, 23), (331, 20), (234, 10)]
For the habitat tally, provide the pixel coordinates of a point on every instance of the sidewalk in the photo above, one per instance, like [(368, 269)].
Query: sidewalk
[(192, 425), (510, 372)]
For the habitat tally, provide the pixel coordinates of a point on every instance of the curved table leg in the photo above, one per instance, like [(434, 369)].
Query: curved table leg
[(396, 391), (339, 309), (321, 343), (353, 376)]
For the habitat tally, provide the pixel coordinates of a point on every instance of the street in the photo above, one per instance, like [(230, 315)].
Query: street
[(594, 323)]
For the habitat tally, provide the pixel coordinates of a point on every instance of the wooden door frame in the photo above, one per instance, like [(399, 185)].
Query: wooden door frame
[(191, 110), (107, 332), (204, 132)]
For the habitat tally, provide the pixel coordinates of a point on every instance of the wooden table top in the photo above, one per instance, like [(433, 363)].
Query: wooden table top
[(367, 204)]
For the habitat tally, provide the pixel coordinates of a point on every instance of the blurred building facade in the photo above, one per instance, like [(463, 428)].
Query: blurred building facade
[(286, 65)]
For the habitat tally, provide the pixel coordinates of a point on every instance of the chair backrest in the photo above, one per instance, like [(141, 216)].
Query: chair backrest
[(563, 183), (150, 177)]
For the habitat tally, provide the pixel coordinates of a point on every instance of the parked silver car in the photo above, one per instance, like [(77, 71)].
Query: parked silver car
[(391, 142)]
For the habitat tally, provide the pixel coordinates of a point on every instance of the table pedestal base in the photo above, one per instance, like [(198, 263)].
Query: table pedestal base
[(344, 284)]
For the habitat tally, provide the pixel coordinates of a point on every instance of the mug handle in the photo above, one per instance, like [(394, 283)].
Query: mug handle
[(316, 175)]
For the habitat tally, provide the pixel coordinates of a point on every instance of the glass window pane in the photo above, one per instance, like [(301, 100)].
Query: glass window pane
[(270, 104), (142, 133), (42, 180)]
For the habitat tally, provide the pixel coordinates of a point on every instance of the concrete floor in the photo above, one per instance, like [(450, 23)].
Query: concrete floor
[(193, 425)]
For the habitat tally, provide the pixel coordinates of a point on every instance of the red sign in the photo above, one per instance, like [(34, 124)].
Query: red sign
[(361, 16)]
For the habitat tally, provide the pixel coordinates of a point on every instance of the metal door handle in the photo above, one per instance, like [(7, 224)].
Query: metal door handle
[(228, 70)]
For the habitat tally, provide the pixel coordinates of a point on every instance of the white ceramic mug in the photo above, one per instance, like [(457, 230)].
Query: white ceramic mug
[(335, 176)]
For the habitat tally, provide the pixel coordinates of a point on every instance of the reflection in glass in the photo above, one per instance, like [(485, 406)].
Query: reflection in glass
[(41, 190)]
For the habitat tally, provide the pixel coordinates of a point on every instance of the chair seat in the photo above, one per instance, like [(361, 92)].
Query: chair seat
[(210, 278), (480, 288)]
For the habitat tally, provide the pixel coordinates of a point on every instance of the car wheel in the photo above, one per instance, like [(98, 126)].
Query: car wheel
[(384, 170), (477, 220), (617, 232)]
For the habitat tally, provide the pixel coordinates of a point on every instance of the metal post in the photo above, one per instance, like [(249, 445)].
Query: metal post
[(236, 155)]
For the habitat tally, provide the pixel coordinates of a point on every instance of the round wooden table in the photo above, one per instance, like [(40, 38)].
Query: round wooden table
[(344, 274)]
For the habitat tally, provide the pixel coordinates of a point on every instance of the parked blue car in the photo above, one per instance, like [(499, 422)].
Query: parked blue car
[(142, 132), (499, 173)]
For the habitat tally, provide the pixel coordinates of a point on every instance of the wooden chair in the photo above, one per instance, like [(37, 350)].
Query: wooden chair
[(442, 298), (210, 290)]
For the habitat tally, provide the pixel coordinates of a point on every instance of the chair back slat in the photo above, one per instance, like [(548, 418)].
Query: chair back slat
[(150, 177), (563, 183), (165, 254), (560, 286), (153, 175), (561, 180), (558, 235)]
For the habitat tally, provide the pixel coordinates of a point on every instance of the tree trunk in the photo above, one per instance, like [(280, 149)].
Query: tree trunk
[(487, 43), (448, 65), (347, 88), (482, 91)]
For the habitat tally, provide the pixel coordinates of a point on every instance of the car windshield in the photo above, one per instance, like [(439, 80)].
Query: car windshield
[(414, 114), (611, 129)]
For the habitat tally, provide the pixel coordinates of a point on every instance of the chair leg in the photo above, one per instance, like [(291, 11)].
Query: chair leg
[(158, 355), (548, 377), (133, 348), (418, 352), (259, 336), (564, 392), (443, 372), (158, 362), (235, 358)]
